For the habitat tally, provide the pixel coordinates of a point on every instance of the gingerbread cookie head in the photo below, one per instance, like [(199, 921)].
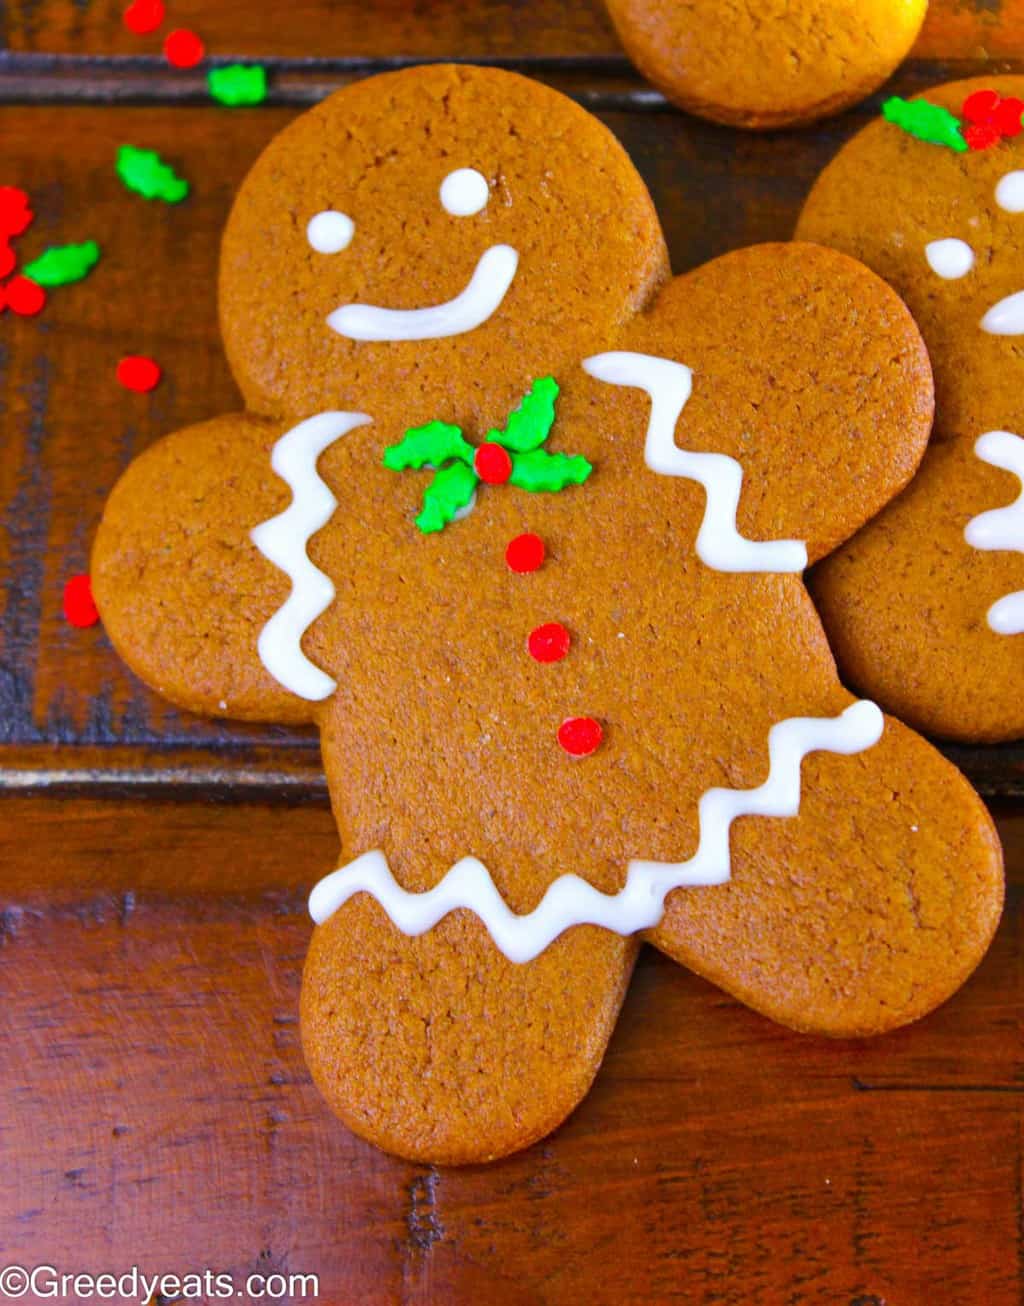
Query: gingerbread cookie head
[(925, 606), (540, 589), (750, 64), (456, 217)]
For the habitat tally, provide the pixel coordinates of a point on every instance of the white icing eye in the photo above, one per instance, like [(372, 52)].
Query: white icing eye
[(330, 232), (464, 192), (949, 259), (1010, 192)]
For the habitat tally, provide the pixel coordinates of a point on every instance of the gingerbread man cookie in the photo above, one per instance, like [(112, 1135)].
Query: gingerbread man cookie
[(519, 522), (925, 607), (767, 63)]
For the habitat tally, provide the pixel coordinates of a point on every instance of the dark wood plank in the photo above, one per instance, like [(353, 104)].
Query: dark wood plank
[(69, 428), (154, 1106), (954, 29)]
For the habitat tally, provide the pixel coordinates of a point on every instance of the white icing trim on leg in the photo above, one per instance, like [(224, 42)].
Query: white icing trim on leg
[(1002, 528), (719, 544), (570, 901), (283, 539)]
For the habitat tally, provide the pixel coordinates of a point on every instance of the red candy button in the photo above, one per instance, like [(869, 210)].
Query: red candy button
[(24, 297), (184, 49), (492, 464), (144, 16), (136, 372), (525, 553), (549, 643), (79, 607), (580, 735)]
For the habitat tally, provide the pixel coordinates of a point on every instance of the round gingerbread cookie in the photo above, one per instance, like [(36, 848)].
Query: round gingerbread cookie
[(767, 63), (519, 522), (925, 606)]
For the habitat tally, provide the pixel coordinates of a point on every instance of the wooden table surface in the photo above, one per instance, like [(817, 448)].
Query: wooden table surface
[(154, 1106)]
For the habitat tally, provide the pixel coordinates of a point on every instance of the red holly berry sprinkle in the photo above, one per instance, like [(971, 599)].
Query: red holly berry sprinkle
[(525, 553), (7, 260), (79, 605), (15, 214), (144, 16), (981, 135), (183, 49), (136, 372), (980, 106), (1007, 117), (580, 735), (549, 643), (492, 464), (25, 297)]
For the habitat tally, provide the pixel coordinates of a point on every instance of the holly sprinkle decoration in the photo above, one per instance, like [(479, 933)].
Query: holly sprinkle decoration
[(512, 455), (988, 119)]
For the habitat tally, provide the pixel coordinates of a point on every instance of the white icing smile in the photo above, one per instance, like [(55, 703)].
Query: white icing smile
[(470, 309)]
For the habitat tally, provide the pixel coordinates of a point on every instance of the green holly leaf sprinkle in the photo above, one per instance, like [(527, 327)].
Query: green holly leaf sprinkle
[(529, 424), (450, 490), (433, 444), (928, 122), (541, 472), (238, 84), (144, 172), (62, 264)]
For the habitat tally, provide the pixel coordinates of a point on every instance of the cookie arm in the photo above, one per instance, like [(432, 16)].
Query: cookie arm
[(183, 591), (866, 910), (791, 382)]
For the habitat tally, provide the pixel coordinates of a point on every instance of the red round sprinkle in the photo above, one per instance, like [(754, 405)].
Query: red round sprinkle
[(7, 260), (548, 643), (136, 372), (580, 735), (144, 16), (492, 464), (183, 48), (1007, 117), (24, 297), (79, 606), (525, 553), (980, 135), (15, 214), (980, 106)]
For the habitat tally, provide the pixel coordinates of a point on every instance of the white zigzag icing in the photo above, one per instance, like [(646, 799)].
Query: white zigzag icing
[(283, 539), (572, 901), (719, 543), (1002, 528)]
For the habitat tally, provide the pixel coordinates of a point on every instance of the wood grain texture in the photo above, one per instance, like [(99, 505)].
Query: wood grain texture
[(154, 1106), (954, 29)]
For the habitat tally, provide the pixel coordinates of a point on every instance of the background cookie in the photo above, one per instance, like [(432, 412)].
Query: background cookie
[(764, 65), (920, 606), (721, 429)]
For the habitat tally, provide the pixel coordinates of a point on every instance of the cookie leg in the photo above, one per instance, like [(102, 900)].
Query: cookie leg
[(182, 590), (437, 1048), (863, 912)]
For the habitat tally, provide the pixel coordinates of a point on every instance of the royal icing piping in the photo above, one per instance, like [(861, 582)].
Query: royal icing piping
[(570, 900), (282, 540), (330, 232), (949, 259), (1007, 317), (464, 192), (482, 297), (719, 544), (1002, 528), (1010, 192)]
